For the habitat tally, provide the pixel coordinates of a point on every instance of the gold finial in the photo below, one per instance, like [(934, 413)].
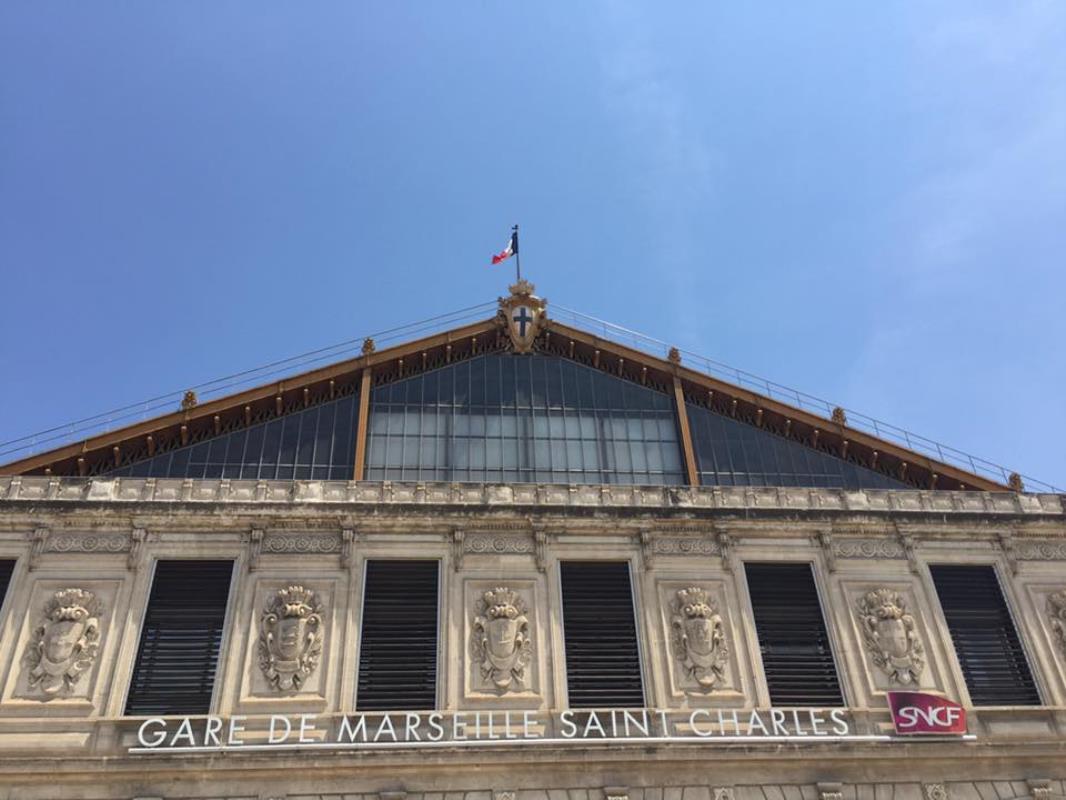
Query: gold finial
[(1015, 482), (189, 400), (674, 356), (368, 346), (521, 287), (839, 417)]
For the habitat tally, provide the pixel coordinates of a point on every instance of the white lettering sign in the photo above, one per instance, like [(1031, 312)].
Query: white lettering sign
[(409, 729)]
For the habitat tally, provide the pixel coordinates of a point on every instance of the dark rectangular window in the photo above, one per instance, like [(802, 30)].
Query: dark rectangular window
[(181, 638), (986, 643), (796, 657), (7, 567), (600, 633), (398, 650)]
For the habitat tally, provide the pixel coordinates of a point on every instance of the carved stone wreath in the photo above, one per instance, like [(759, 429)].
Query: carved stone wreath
[(290, 639), (1056, 609), (699, 637), (891, 636), (64, 646), (500, 642)]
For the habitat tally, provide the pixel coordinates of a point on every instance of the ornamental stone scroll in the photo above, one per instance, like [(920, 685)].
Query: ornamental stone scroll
[(64, 646), (890, 635), (698, 637), (290, 639), (501, 644)]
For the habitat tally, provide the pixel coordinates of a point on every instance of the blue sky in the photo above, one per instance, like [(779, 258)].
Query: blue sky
[(866, 201)]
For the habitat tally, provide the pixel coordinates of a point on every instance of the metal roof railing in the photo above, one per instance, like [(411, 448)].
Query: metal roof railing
[(78, 430), (807, 402)]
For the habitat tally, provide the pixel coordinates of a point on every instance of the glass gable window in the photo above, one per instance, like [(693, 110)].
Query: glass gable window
[(316, 442), (733, 453), (518, 418)]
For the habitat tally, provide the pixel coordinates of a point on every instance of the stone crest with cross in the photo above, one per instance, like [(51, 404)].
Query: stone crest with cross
[(523, 315)]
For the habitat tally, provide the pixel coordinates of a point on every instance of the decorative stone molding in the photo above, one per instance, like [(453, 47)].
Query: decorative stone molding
[(540, 550), (698, 637), (1005, 540), (458, 548), (940, 504), (504, 794), (86, 543), (723, 793), (501, 544), (891, 636), (290, 638), (500, 642), (1041, 551), (684, 546), (1056, 610), (616, 792), (935, 791), (825, 539), (830, 791), (37, 547), (255, 539), (137, 538), (910, 549), (64, 646), (1039, 788), (347, 547), (868, 548), (725, 546), (306, 543), (647, 550)]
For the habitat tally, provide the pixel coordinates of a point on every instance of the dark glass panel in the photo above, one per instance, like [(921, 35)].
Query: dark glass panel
[(290, 437), (733, 453), (327, 424), (179, 467), (305, 451), (313, 442), (493, 425)]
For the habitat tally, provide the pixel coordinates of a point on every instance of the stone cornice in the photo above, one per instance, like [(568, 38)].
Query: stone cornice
[(151, 495)]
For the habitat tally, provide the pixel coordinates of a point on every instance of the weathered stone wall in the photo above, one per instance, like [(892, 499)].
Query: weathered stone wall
[(64, 734)]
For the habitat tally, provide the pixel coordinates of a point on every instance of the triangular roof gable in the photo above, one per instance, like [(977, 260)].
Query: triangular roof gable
[(134, 442)]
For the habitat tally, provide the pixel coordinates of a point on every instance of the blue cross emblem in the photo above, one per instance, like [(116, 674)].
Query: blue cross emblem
[(522, 318)]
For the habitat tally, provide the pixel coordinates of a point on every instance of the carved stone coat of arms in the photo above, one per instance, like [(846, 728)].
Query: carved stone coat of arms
[(891, 636), (523, 315), (64, 646), (1056, 609), (290, 639), (500, 643), (699, 637)]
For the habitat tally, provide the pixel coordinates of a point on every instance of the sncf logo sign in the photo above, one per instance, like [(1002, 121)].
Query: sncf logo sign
[(916, 712)]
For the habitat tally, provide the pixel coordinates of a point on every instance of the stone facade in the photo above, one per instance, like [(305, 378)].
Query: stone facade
[(86, 550)]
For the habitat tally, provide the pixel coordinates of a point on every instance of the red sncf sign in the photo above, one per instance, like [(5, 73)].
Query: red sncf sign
[(917, 713)]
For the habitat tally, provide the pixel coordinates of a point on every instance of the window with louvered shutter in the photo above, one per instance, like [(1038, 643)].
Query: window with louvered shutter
[(986, 642), (181, 638), (796, 657), (600, 634), (398, 647), (7, 567)]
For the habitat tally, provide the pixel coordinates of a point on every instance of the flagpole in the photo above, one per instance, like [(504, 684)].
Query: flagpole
[(517, 256)]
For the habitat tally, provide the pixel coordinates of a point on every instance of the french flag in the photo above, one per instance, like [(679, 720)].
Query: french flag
[(510, 250)]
